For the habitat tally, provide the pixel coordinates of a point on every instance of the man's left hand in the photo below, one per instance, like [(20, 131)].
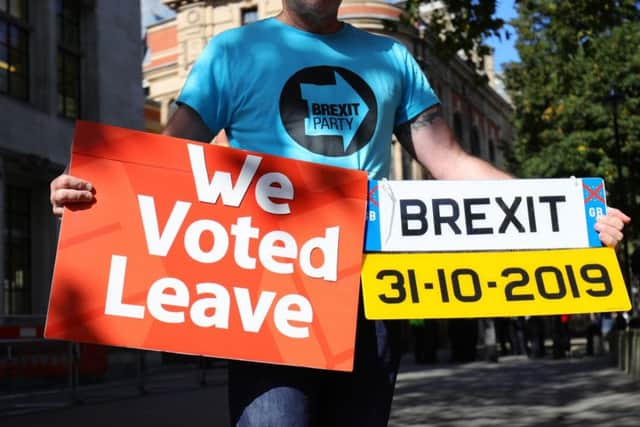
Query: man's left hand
[(610, 226)]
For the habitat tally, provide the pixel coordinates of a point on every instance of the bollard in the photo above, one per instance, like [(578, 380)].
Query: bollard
[(635, 354), (612, 347), (632, 345), (620, 348), (598, 347), (629, 353)]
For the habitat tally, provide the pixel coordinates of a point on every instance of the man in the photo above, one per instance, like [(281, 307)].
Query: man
[(305, 85)]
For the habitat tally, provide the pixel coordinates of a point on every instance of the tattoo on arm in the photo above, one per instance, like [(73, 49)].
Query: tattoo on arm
[(426, 118)]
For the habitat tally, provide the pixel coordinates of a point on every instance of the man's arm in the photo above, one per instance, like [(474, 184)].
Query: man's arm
[(428, 138), (70, 191), (430, 141), (186, 123)]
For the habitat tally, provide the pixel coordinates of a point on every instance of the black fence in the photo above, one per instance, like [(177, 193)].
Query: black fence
[(625, 351), (38, 374)]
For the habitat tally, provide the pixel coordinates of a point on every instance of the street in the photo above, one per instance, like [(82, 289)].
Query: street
[(514, 392)]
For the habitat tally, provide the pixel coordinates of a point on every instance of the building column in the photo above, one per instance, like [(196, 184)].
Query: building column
[(191, 26), (42, 59)]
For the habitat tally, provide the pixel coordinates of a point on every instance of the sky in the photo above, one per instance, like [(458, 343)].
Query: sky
[(504, 50), (154, 10)]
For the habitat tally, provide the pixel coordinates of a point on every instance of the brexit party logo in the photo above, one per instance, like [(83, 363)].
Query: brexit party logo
[(328, 110)]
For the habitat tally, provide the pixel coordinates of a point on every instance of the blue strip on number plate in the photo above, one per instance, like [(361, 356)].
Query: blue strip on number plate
[(595, 204), (372, 233)]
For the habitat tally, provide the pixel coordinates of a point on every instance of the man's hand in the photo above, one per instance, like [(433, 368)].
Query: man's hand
[(610, 226), (69, 191), (75, 193)]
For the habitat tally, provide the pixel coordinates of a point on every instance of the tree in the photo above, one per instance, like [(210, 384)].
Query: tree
[(572, 53), (460, 26)]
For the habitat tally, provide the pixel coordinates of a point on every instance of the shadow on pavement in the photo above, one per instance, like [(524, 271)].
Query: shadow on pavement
[(516, 392)]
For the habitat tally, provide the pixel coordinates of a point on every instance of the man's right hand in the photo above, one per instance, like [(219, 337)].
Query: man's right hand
[(71, 192)]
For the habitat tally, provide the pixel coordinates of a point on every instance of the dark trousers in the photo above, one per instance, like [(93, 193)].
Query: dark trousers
[(280, 396)]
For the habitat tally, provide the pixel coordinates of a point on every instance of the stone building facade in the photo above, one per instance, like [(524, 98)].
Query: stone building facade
[(477, 113), (60, 60)]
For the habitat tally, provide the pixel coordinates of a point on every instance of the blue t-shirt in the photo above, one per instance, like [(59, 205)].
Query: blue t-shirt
[(332, 99)]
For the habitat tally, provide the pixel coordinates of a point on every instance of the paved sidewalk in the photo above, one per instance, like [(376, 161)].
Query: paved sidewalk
[(515, 392)]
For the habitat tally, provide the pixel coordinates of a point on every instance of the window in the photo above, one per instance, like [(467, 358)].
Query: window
[(475, 142), (17, 237), (69, 58), (249, 15), (14, 48), (492, 151)]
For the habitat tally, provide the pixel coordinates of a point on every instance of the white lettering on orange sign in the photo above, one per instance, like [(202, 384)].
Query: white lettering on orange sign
[(168, 299)]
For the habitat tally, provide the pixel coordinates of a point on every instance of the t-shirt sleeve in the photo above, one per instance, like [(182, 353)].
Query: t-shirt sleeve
[(207, 88), (417, 94)]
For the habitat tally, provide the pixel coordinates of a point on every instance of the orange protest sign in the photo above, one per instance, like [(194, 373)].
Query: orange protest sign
[(201, 249)]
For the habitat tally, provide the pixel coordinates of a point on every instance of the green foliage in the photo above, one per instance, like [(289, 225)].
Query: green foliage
[(462, 25), (572, 53)]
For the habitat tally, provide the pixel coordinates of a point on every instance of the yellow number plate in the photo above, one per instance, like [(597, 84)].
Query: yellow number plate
[(492, 284)]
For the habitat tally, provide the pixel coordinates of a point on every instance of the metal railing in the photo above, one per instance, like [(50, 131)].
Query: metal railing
[(38, 374), (625, 350)]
